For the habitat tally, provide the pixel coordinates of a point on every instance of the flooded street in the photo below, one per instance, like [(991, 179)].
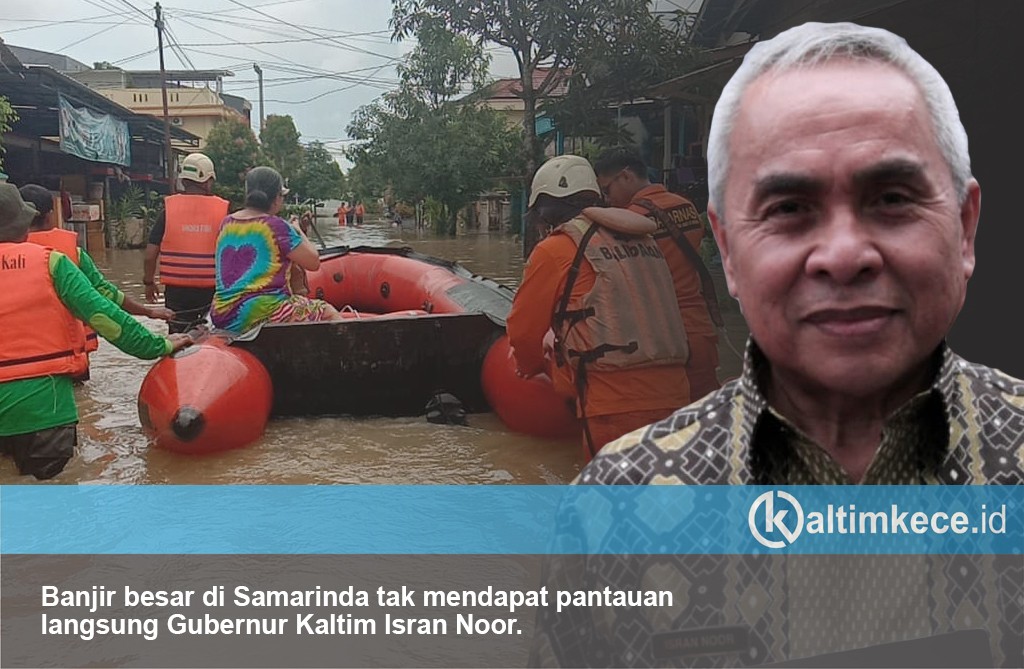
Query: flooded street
[(113, 448)]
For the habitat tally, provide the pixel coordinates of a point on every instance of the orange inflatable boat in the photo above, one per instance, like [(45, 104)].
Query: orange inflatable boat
[(415, 326)]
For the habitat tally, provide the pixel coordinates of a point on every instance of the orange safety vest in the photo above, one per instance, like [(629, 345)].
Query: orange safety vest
[(40, 334), (188, 250), (66, 242), (629, 318)]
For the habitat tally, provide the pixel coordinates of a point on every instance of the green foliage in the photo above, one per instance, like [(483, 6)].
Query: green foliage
[(422, 143), (7, 117), (555, 34), (319, 175), (365, 185), (280, 142), (123, 215), (150, 211), (629, 50), (234, 150), (435, 71)]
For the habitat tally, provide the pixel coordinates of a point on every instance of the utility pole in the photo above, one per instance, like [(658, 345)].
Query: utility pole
[(259, 75), (169, 157)]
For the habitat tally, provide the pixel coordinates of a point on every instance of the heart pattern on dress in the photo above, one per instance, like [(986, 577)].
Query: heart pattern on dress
[(235, 262)]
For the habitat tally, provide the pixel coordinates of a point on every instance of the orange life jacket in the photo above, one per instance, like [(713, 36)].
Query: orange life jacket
[(40, 334), (630, 318), (188, 250), (66, 242)]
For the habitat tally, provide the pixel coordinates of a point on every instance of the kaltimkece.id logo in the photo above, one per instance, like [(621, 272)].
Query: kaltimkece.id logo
[(777, 519)]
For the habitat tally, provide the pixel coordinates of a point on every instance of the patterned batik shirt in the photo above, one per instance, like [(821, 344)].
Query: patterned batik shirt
[(749, 610), (973, 433)]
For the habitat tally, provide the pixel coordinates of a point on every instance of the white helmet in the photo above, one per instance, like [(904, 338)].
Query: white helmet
[(563, 176), (197, 167)]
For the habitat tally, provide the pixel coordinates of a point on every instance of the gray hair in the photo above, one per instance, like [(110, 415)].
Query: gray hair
[(816, 43)]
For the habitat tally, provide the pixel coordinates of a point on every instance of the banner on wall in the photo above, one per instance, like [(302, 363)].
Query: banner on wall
[(97, 137)]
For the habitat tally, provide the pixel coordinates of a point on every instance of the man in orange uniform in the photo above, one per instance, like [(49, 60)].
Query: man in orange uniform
[(43, 296), (44, 231), (184, 240), (622, 175), (619, 343)]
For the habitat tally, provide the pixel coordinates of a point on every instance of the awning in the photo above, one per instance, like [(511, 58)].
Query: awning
[(34, 92), (705, 83)]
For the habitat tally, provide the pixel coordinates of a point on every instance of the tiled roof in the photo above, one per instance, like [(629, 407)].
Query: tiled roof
[(511, 88)]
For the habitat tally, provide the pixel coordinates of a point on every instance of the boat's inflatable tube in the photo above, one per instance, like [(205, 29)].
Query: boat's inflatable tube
[(386, 280), (529, 406), (414, 325), (206, 398)]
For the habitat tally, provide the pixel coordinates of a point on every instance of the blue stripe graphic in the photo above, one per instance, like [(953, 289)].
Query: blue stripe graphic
[(511, 520)]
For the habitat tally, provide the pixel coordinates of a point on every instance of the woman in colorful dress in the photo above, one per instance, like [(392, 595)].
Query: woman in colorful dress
[(256, 250)]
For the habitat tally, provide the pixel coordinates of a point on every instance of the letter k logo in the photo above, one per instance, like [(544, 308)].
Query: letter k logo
[(775, 521)]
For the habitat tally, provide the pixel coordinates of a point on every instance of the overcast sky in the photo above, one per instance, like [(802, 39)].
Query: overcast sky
[(318, 81)]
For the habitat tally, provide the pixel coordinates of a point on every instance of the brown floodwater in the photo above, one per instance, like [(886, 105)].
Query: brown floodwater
[(113, 448)]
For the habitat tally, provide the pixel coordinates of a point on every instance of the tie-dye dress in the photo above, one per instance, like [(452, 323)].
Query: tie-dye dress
[(252, 275)]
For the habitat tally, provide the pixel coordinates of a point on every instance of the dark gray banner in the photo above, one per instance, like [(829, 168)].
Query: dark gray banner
[(509, 611)]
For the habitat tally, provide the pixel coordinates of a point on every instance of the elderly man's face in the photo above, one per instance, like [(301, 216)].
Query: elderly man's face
[(842, 235)]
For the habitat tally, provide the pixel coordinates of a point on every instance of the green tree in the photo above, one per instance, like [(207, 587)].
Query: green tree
[(365, 184), (632, 53), (280, 141), (233, 148), (426, 144), (554, 34), (7, 117), (320, 176)]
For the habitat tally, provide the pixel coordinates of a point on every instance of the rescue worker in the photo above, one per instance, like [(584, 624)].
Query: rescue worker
[(620, 347), (360, 213), (44, 231), (183, 240), (43, 295), (342, 214), (622, 175)]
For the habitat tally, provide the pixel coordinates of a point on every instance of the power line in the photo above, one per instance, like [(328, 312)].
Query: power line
[(252, 48), (136, 9), (45, 23), (129, 59), (317, 97), (275, 25), (232, 10), (303, 69), (95, 34), (117, 11), (314, 33), (286, 41), (179, 52)]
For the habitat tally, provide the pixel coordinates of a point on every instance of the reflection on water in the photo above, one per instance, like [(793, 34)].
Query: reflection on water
[(113, 449)]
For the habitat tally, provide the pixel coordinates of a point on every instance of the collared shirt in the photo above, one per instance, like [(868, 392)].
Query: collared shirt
[(967, 428)]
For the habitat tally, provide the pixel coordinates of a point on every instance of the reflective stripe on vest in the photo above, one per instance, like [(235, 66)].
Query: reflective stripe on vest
[(39, 331), (187, 252), (630, 317), (66, 242)]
